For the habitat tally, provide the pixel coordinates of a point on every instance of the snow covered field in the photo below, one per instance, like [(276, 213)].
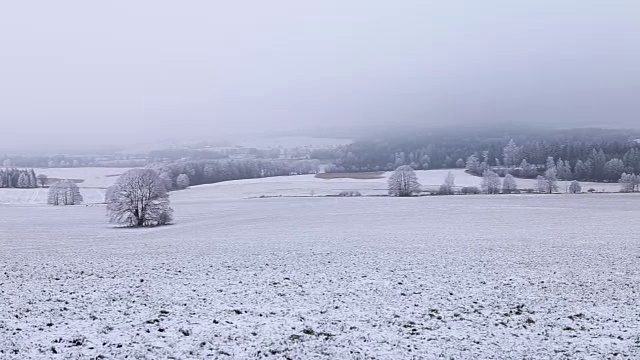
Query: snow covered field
[(93, 183), (306, 185), (96, 180), (464, 277)]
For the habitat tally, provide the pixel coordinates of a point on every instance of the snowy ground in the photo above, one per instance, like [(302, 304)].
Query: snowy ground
[(307, 185), (464, 277), (96, 180)]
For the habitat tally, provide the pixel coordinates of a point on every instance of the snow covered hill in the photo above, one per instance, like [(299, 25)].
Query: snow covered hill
[(467, 277)]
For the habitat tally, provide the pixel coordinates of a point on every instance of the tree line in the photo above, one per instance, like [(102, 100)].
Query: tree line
[(18, 178), (68, 161), (404, 182), (596, 166), (584, 155), (180, 174)]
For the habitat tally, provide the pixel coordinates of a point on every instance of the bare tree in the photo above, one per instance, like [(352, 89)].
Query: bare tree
[(490, 182), (447, 187), (139, 198), (42, 179), (53, 197), (549, 182), (575, 187), (509, 184), (403, 182), (541, 184), (629, 183)]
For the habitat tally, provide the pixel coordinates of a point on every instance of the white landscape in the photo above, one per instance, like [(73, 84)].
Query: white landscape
[(94, 181), (300, 180), (237, 276)]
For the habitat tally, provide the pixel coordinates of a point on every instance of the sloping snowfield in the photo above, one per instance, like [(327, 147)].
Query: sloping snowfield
[(459, 277), (308, 185)]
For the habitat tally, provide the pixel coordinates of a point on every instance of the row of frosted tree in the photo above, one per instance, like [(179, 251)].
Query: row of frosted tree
[(404, 182), (180, 174), (18, 178), (67, 161), (584, 155), (597, 166), (64, 192)]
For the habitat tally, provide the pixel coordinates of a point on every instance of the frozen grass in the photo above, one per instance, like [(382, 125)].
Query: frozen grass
[(463, 277)]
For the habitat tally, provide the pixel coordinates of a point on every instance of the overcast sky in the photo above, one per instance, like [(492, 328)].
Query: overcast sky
[(93, 73)]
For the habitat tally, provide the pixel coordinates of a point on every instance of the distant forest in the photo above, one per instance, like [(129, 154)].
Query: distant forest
[(582, 154), (577, 154)]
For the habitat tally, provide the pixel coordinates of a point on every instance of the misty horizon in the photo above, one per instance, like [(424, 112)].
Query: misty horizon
[(79, 75)]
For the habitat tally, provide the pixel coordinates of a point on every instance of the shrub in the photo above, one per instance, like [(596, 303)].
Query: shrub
[(467, 190), (349, 193)]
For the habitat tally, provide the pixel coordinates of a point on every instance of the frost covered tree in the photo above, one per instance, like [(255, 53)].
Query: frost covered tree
[(541, 184), (581, 171), (511, 154), (139, 198), (460, 163), (72, 195), (166, 180), (425, 160), (64, 192), (18, 178), (447, 187), (575, 187), (629, 183), (182, 181), (53, 196), (549, 182), (473, 165), (564, 170), (632, 160), (551, 164), (613, 169), (528, 170), (33, 179), (23, 181), (490, 182), (509, 184), (403, 182), (597, 160)]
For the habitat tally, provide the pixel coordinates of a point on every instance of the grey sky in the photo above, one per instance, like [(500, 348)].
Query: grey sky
[(114, 71)]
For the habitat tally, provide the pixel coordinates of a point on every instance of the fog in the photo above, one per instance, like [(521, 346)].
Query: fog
[(90, 74)]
